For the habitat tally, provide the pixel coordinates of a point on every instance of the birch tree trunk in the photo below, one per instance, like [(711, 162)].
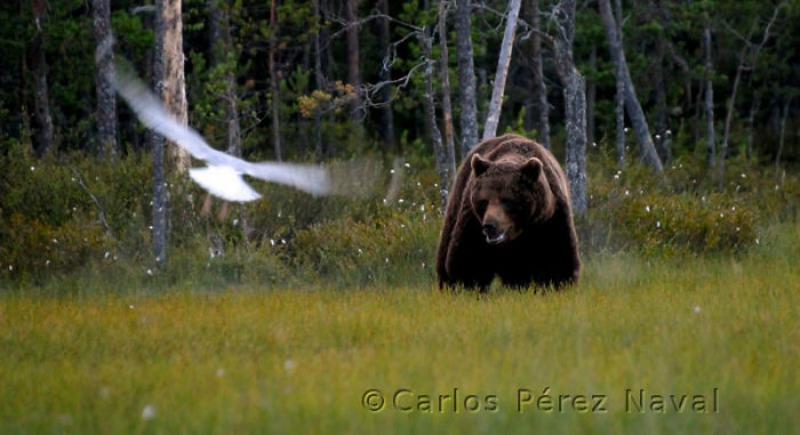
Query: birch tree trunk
[(574, 106), (275, 89), (708, 106), (731, 106), (442, 168), (387, 113), (174, 92), (539, 87), (353, 58), (503, 63), (591, 98), (663, 134), (619, 96), (647, 149), (467, 96), (743, 65), (444, 76), (106, 111), (41, 93), (157, 145)]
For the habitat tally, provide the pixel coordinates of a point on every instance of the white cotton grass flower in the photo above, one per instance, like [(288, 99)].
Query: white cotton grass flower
[(148, 412)]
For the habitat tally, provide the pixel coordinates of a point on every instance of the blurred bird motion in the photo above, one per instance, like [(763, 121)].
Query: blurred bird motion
[(223, 175)]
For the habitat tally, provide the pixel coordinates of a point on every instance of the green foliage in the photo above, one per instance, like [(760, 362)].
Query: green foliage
[(397, 248), (58, 214), (683, 224), (682, 213), (99, 214)]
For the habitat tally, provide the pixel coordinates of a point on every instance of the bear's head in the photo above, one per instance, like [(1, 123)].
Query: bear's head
[(509, 195)]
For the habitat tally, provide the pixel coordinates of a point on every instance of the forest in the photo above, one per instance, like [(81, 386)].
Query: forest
[(686, 98)]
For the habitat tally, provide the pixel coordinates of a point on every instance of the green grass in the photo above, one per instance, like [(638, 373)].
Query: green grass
[(242, 359)]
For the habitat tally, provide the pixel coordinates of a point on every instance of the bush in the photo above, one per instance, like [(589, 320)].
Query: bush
[(397, 248), (684, 212), (58, 213)]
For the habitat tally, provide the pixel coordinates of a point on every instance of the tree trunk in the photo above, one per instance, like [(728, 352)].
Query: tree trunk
[(41, 98), (619, 96), (663, 142), (782, 136), (731, 106), (104, 81), (353, 59), (385, 75), (751, 119), (274, 84), (319, 147), (723, 150), (444, 76), (503, 63), (539, 88), (157, 145), (442, 167), (743, 65), (591, 97), (574, 105), (174, 92), (647, 149), (224, 56), (467, 96), (711, 149)]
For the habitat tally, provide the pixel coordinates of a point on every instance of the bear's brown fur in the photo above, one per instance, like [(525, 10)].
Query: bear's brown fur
[(509, 215)]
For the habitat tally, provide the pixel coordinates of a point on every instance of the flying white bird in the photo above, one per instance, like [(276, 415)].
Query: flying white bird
[(223, 175)]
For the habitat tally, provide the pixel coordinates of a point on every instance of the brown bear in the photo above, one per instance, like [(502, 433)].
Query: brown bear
[(509, 215)]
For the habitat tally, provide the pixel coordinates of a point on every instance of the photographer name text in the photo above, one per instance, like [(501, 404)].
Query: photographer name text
[(544, 400)]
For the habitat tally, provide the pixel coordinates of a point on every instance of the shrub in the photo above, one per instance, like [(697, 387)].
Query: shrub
[(684, 212), (398, 248), (57, 213)]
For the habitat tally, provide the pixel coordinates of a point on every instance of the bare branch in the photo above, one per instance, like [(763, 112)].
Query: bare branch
[(147, 9), (100, 212)]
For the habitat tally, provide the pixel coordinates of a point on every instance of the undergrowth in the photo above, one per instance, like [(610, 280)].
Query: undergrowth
[(76, 218)]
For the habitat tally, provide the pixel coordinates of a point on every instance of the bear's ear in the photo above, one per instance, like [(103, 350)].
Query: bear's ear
[(532, 168), (479, 164)]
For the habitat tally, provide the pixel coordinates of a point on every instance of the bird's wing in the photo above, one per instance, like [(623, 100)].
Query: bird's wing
[(309, 178), (224, 182)]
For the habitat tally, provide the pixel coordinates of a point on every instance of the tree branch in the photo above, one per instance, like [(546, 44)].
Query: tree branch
[(100, 212)]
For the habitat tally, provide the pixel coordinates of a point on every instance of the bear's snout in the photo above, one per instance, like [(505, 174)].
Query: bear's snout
[(493, 234)]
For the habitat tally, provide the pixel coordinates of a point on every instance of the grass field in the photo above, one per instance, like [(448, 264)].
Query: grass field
[(709, 345)]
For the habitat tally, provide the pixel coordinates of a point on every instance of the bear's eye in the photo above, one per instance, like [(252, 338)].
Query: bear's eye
[(511, 205), (482, 206)]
